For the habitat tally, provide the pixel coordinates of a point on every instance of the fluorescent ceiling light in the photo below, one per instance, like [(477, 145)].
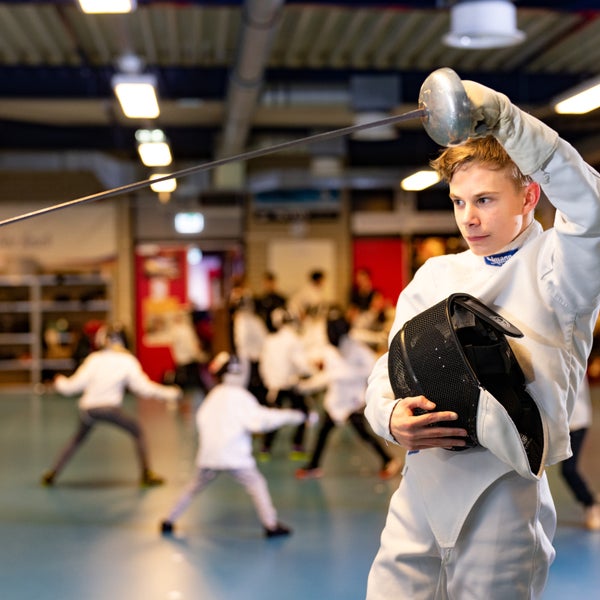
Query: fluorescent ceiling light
[(189, 222), (419, 181), (168, 185), (483, 24), (153, 147), (107, 6), (136, 95), (580, 100), (155, 154)]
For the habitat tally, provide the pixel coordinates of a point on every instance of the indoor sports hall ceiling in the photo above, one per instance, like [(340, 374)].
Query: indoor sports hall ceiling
[(235, 75)]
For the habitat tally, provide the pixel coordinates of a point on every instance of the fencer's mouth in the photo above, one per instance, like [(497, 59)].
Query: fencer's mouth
[(474, 239)]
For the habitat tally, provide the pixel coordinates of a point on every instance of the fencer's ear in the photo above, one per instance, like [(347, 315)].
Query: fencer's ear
[(532, 197)]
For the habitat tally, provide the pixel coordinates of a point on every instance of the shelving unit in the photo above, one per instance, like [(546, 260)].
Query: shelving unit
[(41, 317)]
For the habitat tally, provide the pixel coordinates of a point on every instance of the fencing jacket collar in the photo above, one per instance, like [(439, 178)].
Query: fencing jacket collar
[(498, 259)]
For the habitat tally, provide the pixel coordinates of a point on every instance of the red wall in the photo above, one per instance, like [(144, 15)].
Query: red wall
[(386, 260)]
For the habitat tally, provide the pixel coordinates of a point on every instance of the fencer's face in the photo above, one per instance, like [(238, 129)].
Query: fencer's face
[(489, 208)]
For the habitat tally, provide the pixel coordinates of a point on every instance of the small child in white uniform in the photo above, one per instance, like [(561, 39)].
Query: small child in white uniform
[(226, 420), (103, 378)]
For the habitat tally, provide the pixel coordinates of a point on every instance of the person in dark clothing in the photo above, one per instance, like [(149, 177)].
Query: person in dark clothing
[(269, 300)]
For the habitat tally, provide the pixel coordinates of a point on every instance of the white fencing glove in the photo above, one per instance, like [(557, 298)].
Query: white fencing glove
[(527, 140)]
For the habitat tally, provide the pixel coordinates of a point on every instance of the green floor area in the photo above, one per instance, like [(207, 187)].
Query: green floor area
[(95, 534)]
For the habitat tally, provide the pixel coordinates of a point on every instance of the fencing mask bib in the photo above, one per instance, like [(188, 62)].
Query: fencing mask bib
[(456, 354)]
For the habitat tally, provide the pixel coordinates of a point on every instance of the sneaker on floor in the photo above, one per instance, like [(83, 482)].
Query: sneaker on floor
[(298, 453), (264, 456), (314, 473), (48, 478), (278, 531), (151, 479), (391, 469), (167, 527), (592, 517)]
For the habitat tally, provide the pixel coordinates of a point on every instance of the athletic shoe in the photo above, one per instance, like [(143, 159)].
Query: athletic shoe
[(391, 469), (151, 479), (48, 478), (314, 473), (167, 527), (278, 531), (298, 453), (592, 517), (264, 456)]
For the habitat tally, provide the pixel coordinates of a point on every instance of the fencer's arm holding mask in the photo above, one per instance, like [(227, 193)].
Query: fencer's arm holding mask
[(550, 289)]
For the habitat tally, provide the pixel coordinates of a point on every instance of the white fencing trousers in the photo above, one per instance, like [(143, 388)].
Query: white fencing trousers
[(503, 552), (252, 480)]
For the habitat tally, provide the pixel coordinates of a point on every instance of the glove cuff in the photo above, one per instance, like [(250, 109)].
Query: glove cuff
[(528, 141)]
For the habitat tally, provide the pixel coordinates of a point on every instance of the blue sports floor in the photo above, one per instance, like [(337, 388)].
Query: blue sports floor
[(95, 534)]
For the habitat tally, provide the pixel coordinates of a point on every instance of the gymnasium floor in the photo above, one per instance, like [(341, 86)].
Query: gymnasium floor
[(94, 536)]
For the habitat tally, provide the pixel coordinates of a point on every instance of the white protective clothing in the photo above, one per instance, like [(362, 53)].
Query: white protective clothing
[(516, 519), (581, 415), (550, 290), (226, 420), (343, 377), (283, 360), (527, 141), (249, 334), (105, 375), (497, 432), (309, 299), (185, 345)]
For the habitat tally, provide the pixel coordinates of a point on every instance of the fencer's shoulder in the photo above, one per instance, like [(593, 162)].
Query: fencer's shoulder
[(446, 262), (110, 355), (233, 390)]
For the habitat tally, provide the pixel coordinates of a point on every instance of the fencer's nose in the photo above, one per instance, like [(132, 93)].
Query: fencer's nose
[(470, 214)]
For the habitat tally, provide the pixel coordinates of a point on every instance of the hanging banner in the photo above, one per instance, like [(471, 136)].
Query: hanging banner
[(77, 237)]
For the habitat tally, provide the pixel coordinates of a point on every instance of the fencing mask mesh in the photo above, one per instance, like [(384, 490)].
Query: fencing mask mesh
[(456, 353)]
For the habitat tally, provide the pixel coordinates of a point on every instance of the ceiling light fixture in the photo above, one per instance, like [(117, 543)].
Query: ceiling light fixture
[(476, 24), (153, 147), (136, 95), (107, 6), (136, 91), (189, 222), (580, 99), (167, 185), (419, 181)]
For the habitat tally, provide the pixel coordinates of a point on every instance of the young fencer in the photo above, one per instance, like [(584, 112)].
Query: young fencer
[(226, 421), (473, 516), (102, 379)]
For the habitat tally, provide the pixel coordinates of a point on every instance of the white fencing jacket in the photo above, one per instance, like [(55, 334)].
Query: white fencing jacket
[(549, 289), (343, 377), (104, 377), (249, 334), (226, 420), (581, 416), (283, 359)]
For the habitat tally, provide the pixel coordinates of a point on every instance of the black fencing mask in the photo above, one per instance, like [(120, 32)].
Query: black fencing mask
[(456, 354)]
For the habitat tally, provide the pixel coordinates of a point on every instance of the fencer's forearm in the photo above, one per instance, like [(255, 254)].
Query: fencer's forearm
[(572, 187), (141, 385), (380, 400), (262, 419), (75, 384), (527, 140)]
